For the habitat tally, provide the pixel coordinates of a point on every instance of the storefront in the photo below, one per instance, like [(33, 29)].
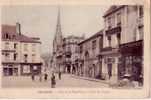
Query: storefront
[(132, 60), (110, 63), (10, 69), (30, 68)]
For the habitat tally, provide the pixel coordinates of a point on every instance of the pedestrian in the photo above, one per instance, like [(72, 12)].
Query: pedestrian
[(53, 81), (59, 74), (45, 76), (33, 77), (40, 77)]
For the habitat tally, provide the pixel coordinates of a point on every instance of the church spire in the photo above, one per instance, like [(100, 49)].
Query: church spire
[(58, 27), (58, 35)]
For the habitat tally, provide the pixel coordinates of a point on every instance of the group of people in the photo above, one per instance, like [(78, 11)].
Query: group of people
[(53, 80)]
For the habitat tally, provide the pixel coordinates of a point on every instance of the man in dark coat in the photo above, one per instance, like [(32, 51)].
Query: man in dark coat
[(46, 77), (53, 81), (59, 74)]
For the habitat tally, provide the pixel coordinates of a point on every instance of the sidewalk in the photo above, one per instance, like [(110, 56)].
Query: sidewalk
[(90, 79)]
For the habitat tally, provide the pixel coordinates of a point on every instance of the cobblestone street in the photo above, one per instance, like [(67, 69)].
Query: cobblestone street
[(66, 81)]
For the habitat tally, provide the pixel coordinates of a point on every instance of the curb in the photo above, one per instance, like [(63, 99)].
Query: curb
[(89, 79)]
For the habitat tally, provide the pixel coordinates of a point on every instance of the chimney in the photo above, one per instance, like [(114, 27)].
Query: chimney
[(18, 28)]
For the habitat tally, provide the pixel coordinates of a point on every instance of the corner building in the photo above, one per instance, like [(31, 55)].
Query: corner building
[(123, 38), (20, 53)]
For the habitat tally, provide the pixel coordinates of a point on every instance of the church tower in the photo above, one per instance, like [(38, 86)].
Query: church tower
[(57, 42), (57, 45)]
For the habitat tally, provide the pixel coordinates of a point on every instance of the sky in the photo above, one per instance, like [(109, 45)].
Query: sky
[(40, 21)]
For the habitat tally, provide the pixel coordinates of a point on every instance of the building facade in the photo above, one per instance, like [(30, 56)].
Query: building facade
[(122, 42), (70, 49), (90, 62), (20, 53)]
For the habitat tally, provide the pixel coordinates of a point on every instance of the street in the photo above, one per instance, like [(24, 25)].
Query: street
[(67, 80)]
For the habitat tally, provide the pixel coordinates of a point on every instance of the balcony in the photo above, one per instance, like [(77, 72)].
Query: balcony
[(109, 50), (113, 30)]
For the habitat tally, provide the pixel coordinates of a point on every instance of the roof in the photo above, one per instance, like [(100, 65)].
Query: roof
[(12, 35), (112, 9), (99, 33)]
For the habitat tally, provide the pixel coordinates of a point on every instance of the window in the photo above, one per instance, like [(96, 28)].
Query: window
[(6, 45), (94, 44), (141, 12), (15, 45), (25, 47), (109, 41), (109, 22), (15, 56), (118, 19), (33, 57), (81, 49), (33, 47), (141, 32), (119, 38), (7, 56), (25, 57)]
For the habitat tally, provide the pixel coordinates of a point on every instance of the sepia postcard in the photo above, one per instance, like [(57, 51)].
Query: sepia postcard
[(75, 49)]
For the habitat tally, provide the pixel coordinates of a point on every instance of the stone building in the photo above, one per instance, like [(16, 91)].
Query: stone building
[(64, 50), (20, 53), (70, 49), (122, 42), (90, 64)]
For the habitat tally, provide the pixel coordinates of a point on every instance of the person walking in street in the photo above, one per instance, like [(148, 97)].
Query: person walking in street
[(45, 77), (53, 81), (59, 75), (33, 77), (40, 77)]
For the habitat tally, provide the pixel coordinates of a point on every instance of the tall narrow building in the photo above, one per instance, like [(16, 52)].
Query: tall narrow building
[(57, 46)]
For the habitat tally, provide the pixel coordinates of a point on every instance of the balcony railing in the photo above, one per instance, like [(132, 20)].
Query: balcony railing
[(113, 30)]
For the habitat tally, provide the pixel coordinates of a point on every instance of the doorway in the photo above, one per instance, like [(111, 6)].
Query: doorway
[(109, 70)]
